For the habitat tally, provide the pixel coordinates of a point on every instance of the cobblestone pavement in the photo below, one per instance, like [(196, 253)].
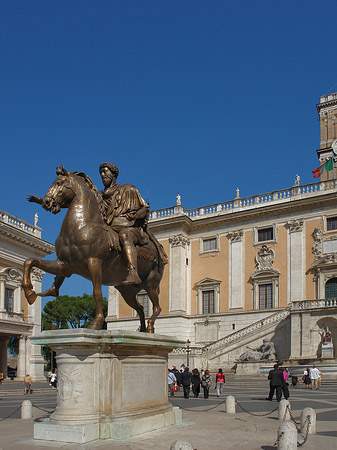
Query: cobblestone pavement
[(206, 425)]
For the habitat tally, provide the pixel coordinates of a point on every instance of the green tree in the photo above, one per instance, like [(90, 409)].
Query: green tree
[(70, 312)]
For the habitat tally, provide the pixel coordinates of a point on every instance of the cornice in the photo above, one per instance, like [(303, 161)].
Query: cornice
[(29, 241), (327, 104)]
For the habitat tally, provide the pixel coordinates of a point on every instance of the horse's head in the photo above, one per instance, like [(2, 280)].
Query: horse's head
[(61, 193)]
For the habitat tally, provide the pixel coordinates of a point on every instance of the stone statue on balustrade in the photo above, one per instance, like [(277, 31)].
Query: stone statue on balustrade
[(327, 349), (265, 352)]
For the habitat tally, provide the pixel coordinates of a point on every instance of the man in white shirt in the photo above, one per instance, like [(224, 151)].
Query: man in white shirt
[(314, 376)]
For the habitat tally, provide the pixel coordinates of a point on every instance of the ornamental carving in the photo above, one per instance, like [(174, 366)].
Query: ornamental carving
[(264, 258), (235, 236), (178, 240), (37, 274), (331, 258), (15, 274), (317, 248), (295, 225)]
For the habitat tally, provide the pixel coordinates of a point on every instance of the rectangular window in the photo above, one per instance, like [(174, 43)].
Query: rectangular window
[(9, 300), (265, 234), (208, 302), (209, 244), (266, 296), (331, 223), (143, 299)]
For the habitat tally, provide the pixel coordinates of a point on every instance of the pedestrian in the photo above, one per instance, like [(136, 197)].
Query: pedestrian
[(220, 381), (196, 382), (276, 379), (27, 381), (319, 382), (306, 378), (206, 383), (178, 377), (186, 379), (171, 381), (314, 376), (285, 384), (53, 379), (1, 377)]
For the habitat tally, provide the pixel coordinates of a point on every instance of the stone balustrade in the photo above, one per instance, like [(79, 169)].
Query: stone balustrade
[(242, 204), (250, 329), (20, 224), (314, 304)]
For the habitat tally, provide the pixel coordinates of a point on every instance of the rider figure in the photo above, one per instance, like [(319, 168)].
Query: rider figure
[(126, 212)]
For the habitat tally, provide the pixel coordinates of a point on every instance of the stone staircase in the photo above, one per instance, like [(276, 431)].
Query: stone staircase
[(262, 326)]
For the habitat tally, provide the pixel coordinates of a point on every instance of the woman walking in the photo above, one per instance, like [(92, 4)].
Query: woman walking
[(206, 383), (220, 381), (196, 382)]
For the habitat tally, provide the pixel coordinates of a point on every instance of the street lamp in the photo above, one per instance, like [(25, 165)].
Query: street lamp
[(188, 350)]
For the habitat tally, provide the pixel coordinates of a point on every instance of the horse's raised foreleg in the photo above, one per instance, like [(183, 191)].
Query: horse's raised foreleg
[(54, 290), (129, 294), (57, 268), (95, 268)]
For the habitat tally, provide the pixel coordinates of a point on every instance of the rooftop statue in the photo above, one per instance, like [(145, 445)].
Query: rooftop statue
[(265, 352), (105, 238)]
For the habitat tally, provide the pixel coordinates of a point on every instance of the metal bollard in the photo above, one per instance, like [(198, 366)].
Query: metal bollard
[(283, 410), (304, 423), (26, 409), (181, 445), (230, 404), (287, 436)]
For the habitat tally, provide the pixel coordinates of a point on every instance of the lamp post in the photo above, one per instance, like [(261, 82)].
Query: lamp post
[(188, 350)]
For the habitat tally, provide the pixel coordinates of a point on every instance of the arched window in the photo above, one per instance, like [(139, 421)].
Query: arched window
[(331, 288)]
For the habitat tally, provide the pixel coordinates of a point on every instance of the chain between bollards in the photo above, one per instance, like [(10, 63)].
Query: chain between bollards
[(254, 414)]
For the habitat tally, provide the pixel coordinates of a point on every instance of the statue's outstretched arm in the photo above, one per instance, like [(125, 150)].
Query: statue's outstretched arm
[(35, 199)]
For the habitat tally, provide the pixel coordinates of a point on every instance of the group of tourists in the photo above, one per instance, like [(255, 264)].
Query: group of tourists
[(196, 379), (280, 377), (312, 377)]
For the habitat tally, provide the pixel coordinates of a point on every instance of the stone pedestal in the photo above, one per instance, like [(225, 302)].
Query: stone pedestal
[(111, 385), (327, 350), (253, 367)]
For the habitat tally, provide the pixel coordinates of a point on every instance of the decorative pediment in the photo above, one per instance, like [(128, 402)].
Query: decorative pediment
[(206, 282), (329, 260), (263, 273)]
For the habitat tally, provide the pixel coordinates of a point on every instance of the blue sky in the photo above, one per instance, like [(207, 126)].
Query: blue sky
[(193, 97)]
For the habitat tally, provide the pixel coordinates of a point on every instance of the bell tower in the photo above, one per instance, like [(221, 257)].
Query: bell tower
[(327, 111)]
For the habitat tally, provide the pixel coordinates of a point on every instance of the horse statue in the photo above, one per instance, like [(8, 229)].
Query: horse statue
[(84, 247)]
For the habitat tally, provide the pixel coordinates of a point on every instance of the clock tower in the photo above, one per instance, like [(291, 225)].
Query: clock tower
[(327, 111)]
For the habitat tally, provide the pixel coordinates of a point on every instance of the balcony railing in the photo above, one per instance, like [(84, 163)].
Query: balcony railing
[(314, 304), (242, 204), (19, 224)]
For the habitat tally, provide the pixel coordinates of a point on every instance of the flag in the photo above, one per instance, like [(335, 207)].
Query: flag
[(52, 326), (323, 168)]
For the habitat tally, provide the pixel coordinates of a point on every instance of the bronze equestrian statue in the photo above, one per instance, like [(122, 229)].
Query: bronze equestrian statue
[(104, 238)]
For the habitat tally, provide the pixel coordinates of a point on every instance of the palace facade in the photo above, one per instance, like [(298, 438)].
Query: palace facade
[(248, 269), (19, 241)]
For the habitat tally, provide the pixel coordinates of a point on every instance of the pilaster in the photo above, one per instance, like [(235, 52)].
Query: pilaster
[(178, 273), (236, 270)]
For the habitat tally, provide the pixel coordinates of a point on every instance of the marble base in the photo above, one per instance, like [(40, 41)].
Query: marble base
[(118, 429), (253, 367), (327, 350), (111, 385)]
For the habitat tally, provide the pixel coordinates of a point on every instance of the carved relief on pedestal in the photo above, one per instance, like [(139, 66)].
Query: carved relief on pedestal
[(235, 236), (178, 240), (264, 258), (295, 226), (73, 386)]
